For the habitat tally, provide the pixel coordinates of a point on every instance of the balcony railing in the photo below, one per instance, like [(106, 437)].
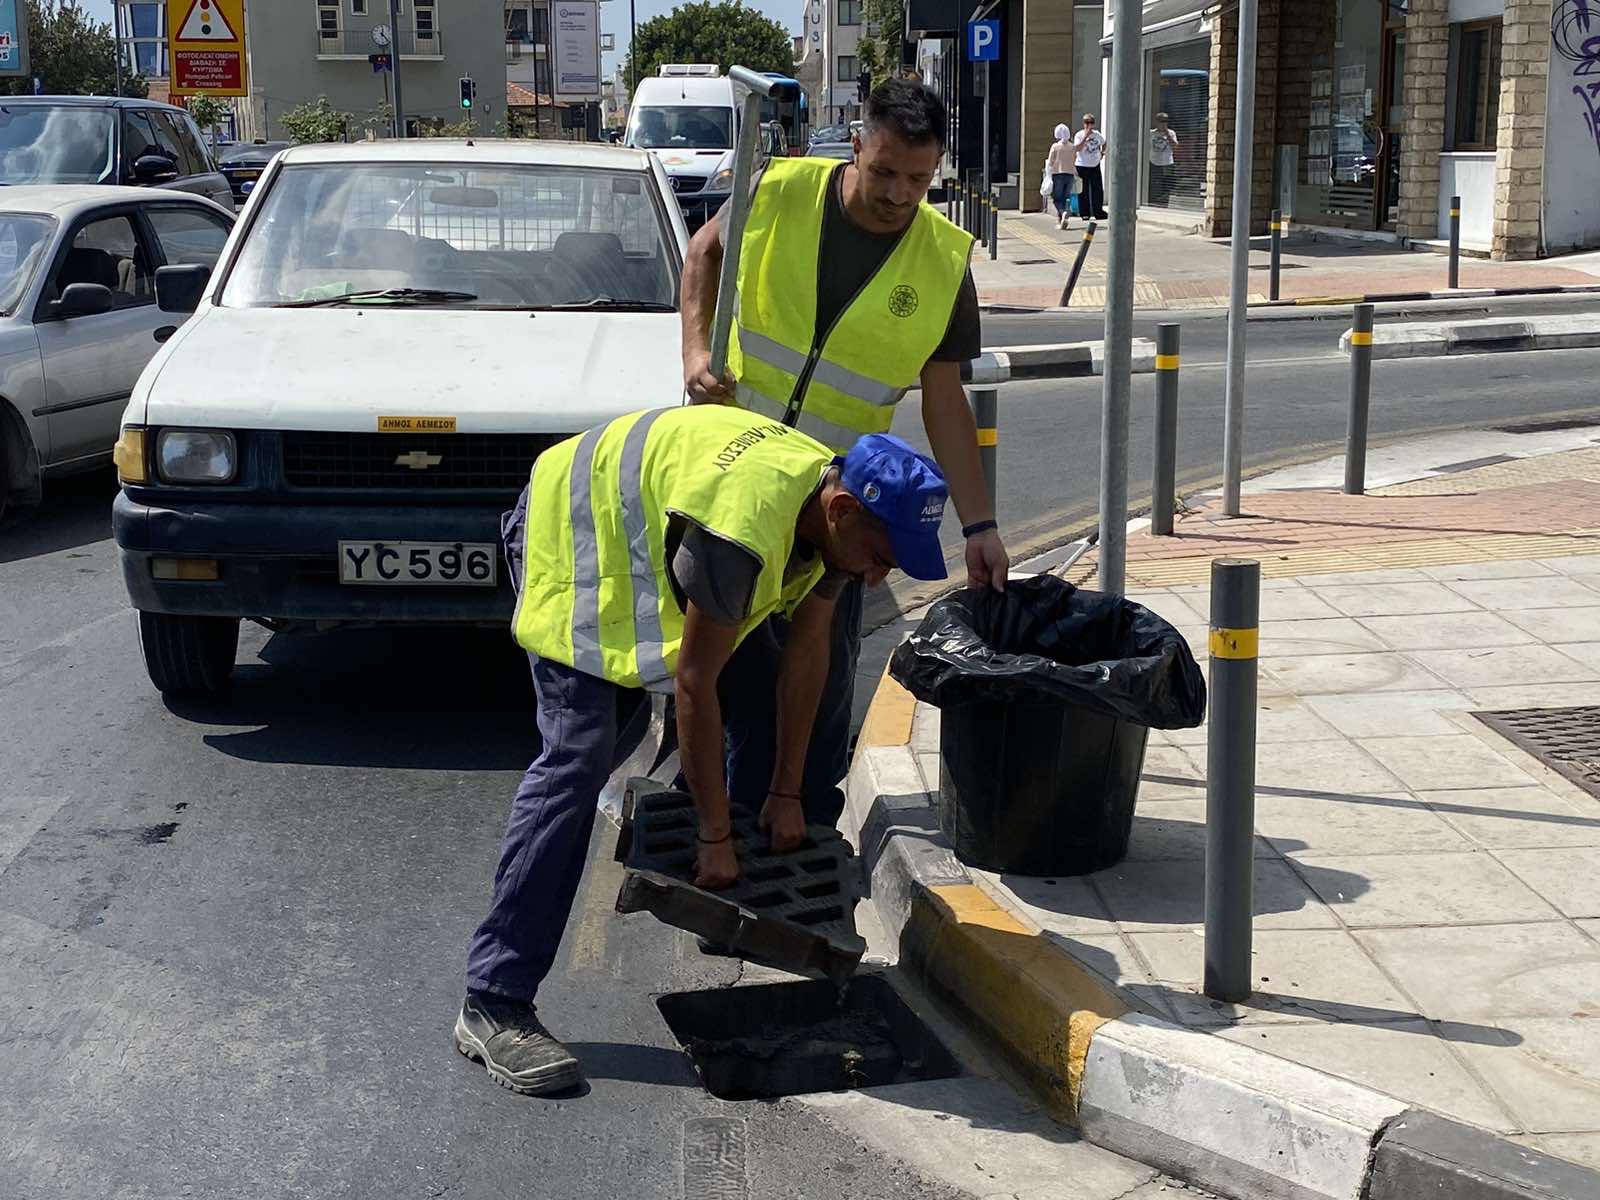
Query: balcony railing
[(517, 51), (358, 43)]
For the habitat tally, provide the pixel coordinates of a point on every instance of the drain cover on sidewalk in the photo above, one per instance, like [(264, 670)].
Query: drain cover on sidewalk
[(795, 911), (1564, 739), (787, 1039)]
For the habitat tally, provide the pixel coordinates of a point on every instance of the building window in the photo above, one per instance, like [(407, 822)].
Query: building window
[(328, 20), (849, 12), (847, 68), (1477, 85), (358, 8), (424, 20)]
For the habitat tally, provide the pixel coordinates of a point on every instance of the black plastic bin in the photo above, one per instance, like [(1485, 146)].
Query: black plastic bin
[(1048, 693)]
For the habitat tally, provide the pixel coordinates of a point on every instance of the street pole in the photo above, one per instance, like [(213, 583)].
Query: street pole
[(394, 68), (633, 58), (1124, 187), (116, 36), (985, 176), (1244, 118)]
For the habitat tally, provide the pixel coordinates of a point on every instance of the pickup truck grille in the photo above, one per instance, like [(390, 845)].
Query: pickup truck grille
[(497, 462)]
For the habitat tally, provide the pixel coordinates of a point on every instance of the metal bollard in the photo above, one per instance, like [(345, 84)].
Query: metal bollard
[(1077, 264), (985, 411), (1355, 438), (1455, 242), (1231, 777), (1163, 488), (1277, 249), (983, 217), (994, 231)]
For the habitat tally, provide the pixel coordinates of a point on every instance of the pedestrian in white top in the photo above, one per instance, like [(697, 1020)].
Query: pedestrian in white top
[(1091, 147), (1060, 168), (1163, 144)]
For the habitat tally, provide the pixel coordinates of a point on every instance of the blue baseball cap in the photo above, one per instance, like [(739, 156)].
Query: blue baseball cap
[(906, 491)]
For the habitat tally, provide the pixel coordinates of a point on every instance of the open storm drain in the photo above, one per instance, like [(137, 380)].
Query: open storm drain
[(786, 1039)]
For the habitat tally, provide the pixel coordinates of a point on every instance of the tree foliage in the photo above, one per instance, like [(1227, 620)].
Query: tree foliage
[(315, 121), (725, 33), (882, 34), (71, 53), (208, 110)]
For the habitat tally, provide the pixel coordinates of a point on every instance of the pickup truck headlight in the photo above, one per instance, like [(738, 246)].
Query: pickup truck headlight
[(722, 181), (196, 456)]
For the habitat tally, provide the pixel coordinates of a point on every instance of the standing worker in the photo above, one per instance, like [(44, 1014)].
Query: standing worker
[(1092, 148), (852, 289), (644, 552)]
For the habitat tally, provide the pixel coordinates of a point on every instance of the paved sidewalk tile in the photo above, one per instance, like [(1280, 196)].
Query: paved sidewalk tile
[(1456, 760), (1575, 1147), (1445, 631), (1547, 969), (1338, 766), (1323, 824), (1585, 653), (1579, 565), (1517, 818), (1405, 1059), (1278, 719), (1390, 714), (1546, 1070), (1517, 569), (1162, 895), (1535, 695), (1175, 829), (1392, 599), (1308, 675), (1514, 595), (1065, 905), (1331, 635), (1558, 624), (1567, 878), (1503, 664), (1422, 888)]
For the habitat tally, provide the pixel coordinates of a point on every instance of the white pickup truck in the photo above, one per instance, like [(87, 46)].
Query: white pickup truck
[(393, 334)]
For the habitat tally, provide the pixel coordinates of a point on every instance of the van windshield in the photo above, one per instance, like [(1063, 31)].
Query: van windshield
[(690, 127), (43, 143)]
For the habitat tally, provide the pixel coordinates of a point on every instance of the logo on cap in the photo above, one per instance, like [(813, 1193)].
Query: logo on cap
[(870, 493), (903, 300)]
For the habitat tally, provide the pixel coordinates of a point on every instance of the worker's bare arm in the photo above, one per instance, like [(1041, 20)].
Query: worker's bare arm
[(697, 302), (705, 649), (802, 672)]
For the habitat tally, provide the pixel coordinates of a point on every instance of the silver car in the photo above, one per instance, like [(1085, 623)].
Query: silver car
[(78, 315)]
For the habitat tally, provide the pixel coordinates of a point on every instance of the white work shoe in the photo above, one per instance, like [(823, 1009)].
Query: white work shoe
[(1062, 224)]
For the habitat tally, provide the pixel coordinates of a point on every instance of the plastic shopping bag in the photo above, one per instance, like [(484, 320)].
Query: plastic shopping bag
[(1045, 183)]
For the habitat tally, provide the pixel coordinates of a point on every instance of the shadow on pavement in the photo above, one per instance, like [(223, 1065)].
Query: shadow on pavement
[(410, 698), (75, 512), (635, 1064)]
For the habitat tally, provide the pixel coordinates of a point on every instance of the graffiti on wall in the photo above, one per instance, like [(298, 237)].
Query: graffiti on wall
[(1575, 32)]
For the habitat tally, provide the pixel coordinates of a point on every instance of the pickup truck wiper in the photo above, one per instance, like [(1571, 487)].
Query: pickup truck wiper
[(606, 302), (419, 295)]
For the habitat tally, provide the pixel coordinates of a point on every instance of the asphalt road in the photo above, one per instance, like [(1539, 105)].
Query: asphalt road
[(1296, 406)]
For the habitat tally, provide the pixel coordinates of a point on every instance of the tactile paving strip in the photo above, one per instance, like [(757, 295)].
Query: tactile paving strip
[(1566, 740), (795, 911)]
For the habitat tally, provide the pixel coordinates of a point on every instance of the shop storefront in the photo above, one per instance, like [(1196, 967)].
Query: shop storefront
[(1176, 107)]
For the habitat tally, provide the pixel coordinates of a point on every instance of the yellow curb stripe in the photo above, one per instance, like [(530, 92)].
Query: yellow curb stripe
[(988, 437), (1235, 643), (1360, 338), (888, 721), (1038, 1003)]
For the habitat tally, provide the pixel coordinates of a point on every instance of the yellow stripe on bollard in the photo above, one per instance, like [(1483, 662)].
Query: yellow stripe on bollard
[(1455, 212), (988, 437), (1166, 362), (1234, 643), (1360, 338)]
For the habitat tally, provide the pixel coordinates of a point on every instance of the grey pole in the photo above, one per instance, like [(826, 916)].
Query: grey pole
[(1455, 241), (985, 412), (1277, 248), (1163, 488), (394, 68), (1231, 777), (116, 37), (1355, 439), (1126, 56), (1077, 263), (1244, 117), (985, 187), (994, 230)]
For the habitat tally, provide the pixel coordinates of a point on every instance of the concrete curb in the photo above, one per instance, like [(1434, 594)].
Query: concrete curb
[(1425, 339), (1053, 360), (1257, 307), (1220, 1114)]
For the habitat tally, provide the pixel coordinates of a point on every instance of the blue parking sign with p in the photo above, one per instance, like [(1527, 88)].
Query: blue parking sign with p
[(983, 41)]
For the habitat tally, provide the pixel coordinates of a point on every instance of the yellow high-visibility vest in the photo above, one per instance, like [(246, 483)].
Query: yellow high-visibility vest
[(596, 595), (847, 385)]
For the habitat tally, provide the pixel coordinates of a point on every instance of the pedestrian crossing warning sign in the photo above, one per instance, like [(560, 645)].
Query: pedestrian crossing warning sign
[(206, 41)]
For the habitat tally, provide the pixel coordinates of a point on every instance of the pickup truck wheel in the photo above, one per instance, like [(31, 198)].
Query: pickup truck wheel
[(188, 654)]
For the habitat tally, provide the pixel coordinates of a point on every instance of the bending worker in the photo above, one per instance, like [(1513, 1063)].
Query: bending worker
[(646, 551), (851, 291)]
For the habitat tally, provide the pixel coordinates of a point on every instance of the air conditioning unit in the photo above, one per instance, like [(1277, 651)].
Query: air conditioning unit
[(701, 70)]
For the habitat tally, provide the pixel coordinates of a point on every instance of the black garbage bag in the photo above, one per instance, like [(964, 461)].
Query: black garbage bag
[(1047, 695)]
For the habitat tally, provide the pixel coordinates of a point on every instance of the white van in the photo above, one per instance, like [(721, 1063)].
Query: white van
[(688, 116)]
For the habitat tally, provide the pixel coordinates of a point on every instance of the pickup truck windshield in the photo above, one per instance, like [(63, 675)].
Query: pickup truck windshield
[(42, 143), (690, 127), (457, 236)]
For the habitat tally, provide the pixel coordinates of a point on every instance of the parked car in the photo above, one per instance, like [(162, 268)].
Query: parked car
[(829, 133), (102, 139), (844, 150), (406, 326), (78, 315), (242, 163)]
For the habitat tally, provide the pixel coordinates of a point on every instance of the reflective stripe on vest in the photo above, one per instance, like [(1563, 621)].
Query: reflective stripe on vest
[(603, 602), (878, 344)]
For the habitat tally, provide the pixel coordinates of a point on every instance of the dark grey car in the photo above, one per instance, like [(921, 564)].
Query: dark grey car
[(103, 139)]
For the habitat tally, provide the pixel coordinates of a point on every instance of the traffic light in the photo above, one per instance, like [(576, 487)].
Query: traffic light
[(864, 85), (469, 89)]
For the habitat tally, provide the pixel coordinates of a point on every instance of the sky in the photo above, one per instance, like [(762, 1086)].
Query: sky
[(613, 17)]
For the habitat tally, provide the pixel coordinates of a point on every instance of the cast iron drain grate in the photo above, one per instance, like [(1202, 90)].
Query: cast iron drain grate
[(787, 1039), (1564, 739), (795, 911)]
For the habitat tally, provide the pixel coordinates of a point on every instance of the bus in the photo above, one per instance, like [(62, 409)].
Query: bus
[(792, 116)]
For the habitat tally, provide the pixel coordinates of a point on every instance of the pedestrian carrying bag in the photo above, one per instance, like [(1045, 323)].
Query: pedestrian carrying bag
[(1044, 181)]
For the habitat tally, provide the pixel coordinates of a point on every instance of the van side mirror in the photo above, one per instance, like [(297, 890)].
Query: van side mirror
[(84, 300), (179, 288)]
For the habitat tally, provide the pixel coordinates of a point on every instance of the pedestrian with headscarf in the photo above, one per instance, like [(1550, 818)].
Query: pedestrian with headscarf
[(1062, 173)]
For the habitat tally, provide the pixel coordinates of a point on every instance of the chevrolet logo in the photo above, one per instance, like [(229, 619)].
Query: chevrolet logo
[(418, 460)]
